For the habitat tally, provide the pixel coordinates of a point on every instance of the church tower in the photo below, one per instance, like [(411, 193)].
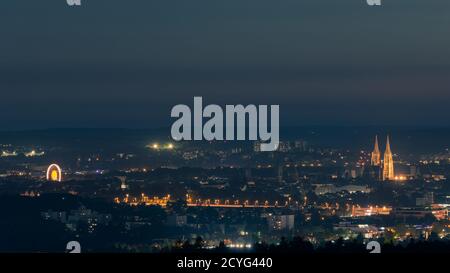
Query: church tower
[(388, 163), (376, 155)]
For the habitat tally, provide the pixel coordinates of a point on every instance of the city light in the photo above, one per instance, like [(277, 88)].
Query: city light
[(34, 153), (158, 146), (8, 154), (400, 178)]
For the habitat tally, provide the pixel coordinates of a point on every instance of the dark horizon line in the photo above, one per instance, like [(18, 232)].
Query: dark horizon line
[(118, 128)]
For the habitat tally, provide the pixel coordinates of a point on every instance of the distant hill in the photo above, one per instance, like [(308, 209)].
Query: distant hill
[(405, 140)]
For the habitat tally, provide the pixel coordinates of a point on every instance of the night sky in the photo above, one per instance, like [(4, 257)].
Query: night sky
[(121, 63)]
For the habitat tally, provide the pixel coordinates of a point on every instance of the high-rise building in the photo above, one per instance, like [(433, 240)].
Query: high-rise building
[(414, 171), (301, 145), (284, 146), (376, 155), (257, 146), (248, 174), (281, 222), (280, 174), (426, 200), (388, 163)]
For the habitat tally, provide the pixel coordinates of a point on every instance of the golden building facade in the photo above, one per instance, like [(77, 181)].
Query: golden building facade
[(376, 155), (388, 163)]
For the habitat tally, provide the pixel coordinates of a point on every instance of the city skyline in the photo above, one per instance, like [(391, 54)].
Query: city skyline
[(221, 195), (231, 134)]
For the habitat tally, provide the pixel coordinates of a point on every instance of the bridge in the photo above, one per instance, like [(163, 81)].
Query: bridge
[(215, 203)]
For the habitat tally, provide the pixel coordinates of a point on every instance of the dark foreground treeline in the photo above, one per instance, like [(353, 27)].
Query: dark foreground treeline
[(340, 246)]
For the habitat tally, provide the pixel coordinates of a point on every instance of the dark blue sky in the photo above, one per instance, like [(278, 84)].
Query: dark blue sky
[(118, 63)]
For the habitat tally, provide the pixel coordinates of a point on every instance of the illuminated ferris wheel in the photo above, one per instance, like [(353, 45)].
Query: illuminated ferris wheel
[(54, 173)]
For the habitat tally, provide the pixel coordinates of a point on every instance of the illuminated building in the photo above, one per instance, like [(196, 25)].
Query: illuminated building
[(321, 189), (388, 163), (353, 230), (280, 222), (376, 155), (438, 211), (426, 200), (280, 174), (176, 220), (8, 154), (54, 173), (143, 200), (370, 211), (257, 146), (34, 153), (123, 184)]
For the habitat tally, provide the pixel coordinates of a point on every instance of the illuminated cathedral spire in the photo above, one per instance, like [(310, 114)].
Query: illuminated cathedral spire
[(388, 163), (376, 155)]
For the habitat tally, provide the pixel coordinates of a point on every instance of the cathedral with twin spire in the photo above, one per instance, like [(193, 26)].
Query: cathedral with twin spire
[(387, 164)]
